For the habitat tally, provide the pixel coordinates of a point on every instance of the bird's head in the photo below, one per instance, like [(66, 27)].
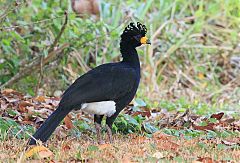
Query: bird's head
[(135, 35)]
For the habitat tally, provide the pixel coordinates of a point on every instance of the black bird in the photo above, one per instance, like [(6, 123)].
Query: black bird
[(104, 90)]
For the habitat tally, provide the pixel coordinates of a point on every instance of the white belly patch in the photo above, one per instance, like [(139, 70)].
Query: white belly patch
[(107, 108)]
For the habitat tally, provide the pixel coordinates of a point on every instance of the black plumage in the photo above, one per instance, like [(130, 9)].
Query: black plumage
[(116, 82)]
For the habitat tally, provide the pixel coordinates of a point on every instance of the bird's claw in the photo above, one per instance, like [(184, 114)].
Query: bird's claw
[(99, 137)]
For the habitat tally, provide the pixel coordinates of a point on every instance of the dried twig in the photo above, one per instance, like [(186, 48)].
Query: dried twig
[(40, 75), (60, 33)]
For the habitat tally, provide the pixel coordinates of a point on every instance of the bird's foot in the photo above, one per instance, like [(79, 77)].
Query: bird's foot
[(109, 133), (98, 131)]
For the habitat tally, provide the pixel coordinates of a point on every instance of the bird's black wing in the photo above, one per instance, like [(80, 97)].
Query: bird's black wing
[(106, 82)]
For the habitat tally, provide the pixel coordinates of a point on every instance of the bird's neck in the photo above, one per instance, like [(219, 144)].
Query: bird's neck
[(129, 54)]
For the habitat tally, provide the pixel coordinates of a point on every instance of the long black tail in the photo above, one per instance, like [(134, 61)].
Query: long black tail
[(48, 127)]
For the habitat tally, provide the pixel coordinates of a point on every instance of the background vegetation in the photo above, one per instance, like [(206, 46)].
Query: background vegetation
[(194, 56), (193, 62)]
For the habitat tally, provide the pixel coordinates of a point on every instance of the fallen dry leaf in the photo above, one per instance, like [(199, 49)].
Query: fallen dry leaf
[(206, 160), (61, 132), (210, 126), (142, 113), (104, 146), (42, 151), (217, 116), (45, 154), (161, 136), (7, 91), (139, 140), (167, 145), (22, 106), (164, 141), (40, 99), (230, 142), (66, 146), (26, 122), (68, 122)]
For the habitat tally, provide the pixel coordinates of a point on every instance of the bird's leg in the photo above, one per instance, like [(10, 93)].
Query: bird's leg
[(98, 130), (109, 122), (98, 120), (109, 133)]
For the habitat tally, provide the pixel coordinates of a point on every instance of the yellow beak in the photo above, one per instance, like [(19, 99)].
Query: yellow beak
[(145, 40)]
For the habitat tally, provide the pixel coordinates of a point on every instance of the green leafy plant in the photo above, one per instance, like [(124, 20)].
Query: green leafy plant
[(10, 128), (127, 124)]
